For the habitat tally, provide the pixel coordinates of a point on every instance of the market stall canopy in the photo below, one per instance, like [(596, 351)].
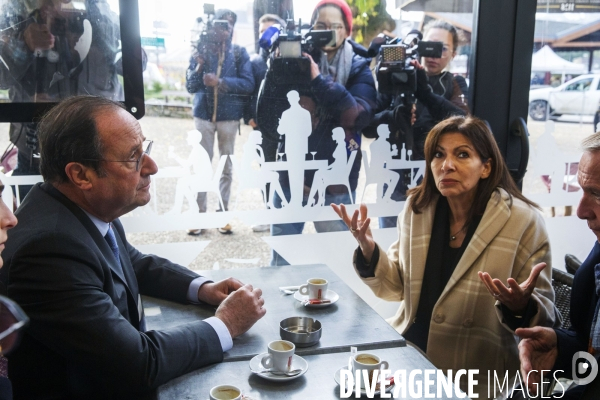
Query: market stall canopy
[(547, 60)]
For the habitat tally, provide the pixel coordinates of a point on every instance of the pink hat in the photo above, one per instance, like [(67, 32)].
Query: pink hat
[(344, 8)]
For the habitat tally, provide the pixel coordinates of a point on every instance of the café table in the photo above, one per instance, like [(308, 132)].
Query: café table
[(316, 384), (348, 322)]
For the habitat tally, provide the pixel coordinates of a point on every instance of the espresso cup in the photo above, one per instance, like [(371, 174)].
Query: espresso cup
[(368, 362), (315, 288), (225, 392), (280, 356)]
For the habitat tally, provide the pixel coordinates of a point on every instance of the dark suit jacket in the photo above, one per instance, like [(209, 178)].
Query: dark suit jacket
[(583, 308), (83, 340)]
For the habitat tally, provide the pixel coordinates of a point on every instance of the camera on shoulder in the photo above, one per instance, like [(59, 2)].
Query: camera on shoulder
[(395, 74)]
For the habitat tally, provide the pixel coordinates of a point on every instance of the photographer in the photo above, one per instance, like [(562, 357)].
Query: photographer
[(45, 59), (342, 94), (439, 95), (220, 74)]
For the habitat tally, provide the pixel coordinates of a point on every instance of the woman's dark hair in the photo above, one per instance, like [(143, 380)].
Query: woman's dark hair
[(441, 24), (479, 134), (68, 133)]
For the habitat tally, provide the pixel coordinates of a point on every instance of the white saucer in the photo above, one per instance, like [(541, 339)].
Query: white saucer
[(337, 375), (297, 362), (330, 295)]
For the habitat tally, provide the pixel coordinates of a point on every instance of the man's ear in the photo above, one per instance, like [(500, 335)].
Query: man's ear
[(79, 175)]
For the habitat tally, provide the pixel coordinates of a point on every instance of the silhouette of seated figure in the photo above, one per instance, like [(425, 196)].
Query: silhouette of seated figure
[(188, 186), (381, 157), (253, 175), (335, 174)]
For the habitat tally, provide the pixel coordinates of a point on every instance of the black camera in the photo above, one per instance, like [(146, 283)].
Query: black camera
[(286, 45), (287, 69), (212, 32), (395, 74)]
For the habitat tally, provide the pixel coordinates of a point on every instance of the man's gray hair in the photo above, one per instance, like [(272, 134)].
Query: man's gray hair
[(591, 143)]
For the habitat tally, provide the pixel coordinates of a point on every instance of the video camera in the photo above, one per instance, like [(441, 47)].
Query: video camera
[(286, 45), (287, 69), (395, 74), (211, 32)]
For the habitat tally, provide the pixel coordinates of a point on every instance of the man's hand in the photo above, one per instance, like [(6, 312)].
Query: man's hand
[(252, 123), (537, 351), (211, 80), (215, 292), (199, 61), (241, 310), (38, 36)]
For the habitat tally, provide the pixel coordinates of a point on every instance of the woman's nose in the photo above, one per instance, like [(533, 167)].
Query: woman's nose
[(448, 164)]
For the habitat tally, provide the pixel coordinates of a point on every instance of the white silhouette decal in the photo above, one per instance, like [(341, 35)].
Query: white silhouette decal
[(201, 179), (335, 174), (381, 158), (295, 124), (253, 175)]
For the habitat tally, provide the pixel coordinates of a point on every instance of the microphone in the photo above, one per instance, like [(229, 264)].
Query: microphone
[(269, 36)]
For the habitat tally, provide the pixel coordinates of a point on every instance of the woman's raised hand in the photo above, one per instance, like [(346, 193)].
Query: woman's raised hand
[(515, 296), (359, 227)]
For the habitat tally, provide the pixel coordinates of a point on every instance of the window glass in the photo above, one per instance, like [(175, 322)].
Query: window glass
[(563, 109), (54, 49), (279, 153)]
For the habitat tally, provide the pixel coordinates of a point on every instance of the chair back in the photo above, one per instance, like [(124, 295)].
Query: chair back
[(562, 282), (572, 263)]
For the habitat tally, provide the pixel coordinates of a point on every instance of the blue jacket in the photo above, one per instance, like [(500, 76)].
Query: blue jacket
[(236, 84), (259, 69), (350, 107), (582, 311)]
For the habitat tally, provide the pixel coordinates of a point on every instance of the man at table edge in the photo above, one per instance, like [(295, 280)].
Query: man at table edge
[(554, 349), (74, 273)]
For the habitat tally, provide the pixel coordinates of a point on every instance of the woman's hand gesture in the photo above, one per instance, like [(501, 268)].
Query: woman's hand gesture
[(515, 296), (359, 227)]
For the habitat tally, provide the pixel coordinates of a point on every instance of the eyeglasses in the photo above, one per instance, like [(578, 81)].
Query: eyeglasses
[(445, 52), (12, 319), (335, 27), (146, 148)]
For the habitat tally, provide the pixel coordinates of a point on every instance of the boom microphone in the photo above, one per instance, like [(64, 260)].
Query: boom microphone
[(269, 36)]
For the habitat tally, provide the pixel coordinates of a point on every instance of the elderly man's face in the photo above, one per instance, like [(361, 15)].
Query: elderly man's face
[(122, 188), (589, 180)]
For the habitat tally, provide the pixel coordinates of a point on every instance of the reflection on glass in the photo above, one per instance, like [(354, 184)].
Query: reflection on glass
[(54, 49), (563, 102)]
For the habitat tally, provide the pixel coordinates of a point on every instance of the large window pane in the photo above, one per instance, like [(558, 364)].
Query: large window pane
[(297, 178), (563, 102)]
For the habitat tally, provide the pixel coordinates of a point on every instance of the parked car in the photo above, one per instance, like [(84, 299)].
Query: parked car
[(577, 96)]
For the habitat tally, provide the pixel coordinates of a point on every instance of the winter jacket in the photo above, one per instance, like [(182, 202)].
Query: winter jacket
[(236, 82)]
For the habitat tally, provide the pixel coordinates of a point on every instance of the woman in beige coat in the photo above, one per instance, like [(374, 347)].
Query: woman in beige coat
[(465, 223)]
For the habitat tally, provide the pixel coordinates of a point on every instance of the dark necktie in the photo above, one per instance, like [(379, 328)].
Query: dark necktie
[(112, 243)]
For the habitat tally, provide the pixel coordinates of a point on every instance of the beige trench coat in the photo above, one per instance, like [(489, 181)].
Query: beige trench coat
[(466, 329)]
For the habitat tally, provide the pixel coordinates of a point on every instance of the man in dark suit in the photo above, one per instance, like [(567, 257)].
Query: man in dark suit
[(554, 349), (70, 267)]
